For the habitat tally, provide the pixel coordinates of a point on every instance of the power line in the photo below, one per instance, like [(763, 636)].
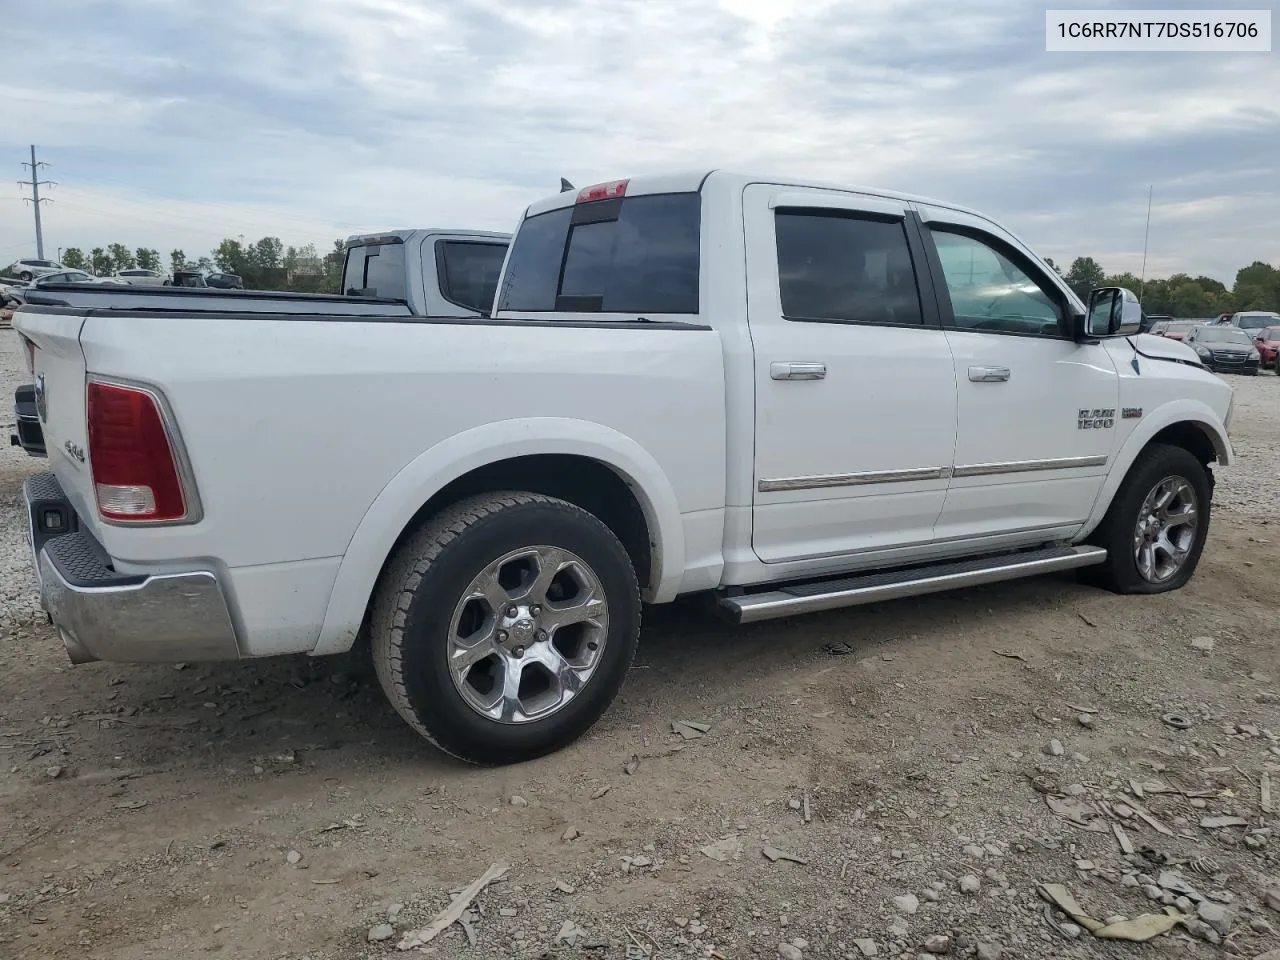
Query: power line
[(35, 183)]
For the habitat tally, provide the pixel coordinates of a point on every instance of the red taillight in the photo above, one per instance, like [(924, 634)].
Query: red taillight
[(603, 191), (135, 474)]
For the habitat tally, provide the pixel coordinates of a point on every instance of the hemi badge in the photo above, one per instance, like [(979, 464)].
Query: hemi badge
[(1131, 413)]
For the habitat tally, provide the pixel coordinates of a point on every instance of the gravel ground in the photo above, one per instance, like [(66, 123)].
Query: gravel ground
[(922, 767), (17, 586)]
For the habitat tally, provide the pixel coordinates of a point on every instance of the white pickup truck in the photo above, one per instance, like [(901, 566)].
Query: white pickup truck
[(784, 396)]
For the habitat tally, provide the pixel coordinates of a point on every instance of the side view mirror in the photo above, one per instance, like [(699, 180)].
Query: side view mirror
[(1113, 312)]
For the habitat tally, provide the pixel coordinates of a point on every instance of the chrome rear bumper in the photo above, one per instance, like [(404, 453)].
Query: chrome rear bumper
[(102, 614)]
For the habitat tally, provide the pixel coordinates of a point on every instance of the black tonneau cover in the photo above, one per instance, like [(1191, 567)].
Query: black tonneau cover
[(96, 296)]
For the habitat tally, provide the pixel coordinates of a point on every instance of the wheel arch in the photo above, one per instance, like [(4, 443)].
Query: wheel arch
[(1188, 424), (593, 466)]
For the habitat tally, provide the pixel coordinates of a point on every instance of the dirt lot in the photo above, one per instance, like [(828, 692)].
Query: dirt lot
[(281, 810)]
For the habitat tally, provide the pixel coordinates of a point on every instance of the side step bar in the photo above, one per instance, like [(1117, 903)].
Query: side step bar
[(875, 587)]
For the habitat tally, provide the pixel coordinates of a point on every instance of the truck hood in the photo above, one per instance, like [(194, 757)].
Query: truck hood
[(1163, 348)]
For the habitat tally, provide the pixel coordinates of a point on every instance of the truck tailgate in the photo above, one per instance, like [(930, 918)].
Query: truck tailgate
[(59, 370)]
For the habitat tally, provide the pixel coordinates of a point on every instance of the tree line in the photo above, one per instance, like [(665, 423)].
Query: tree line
[(1256, 287), (265, 264)]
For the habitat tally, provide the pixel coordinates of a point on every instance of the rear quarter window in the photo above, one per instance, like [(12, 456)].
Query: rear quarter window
[(636, 255)]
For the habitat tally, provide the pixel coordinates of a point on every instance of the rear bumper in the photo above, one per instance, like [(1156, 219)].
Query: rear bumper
[(102, 614)]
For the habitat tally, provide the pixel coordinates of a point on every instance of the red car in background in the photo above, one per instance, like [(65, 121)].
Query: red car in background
[(1268, 343), (1173, 329)]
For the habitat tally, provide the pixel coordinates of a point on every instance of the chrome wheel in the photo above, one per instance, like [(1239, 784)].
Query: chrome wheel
[(1166, 530), (527, 634)]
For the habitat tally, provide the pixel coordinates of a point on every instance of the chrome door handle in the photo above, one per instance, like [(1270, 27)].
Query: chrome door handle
[(988, 374), (793, 370)]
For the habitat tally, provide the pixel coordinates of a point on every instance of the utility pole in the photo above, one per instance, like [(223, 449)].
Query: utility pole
[(35, 183), (1146, 236)]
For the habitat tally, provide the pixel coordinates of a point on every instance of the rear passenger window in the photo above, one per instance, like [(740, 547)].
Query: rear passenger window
[(845, 268), (635, 255), (469, 272)]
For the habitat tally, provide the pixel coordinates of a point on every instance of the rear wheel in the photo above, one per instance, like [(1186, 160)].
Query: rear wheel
[(1155, 529), (505, 627), (26, 275)]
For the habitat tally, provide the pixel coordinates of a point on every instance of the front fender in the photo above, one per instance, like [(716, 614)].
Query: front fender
[(1195, 412), (481, 446)]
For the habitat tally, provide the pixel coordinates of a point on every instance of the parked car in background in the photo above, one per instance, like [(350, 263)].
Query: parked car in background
[(644, 414), (1253, 320), (1151, 320), (74, 276), (1224, 349), (30, 269), (142, 278), (1173, 329), (1267, 343), (224, 281), (186, 278)]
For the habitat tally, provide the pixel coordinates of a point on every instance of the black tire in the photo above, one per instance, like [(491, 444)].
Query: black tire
[(425, 581), (1156, 463), (26, 275)]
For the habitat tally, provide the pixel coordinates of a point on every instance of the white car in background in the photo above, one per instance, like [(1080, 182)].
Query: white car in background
[(31, 268), (139, 277)]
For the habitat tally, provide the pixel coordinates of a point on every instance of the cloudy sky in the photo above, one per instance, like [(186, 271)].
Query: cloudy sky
[(174, 123)]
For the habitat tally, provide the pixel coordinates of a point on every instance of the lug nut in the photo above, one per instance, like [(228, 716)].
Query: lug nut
[(518, 652), (542, 634), (513, 611), (535, 609), (502, 636)]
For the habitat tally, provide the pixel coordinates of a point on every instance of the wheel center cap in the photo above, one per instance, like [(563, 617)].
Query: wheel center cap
[(520, 632)]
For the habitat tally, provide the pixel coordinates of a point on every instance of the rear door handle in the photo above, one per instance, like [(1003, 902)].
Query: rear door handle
[(988, 374), (795, 370)]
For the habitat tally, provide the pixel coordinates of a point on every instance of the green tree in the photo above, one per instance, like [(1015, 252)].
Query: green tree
[(230, 257), (334, 261), (1056, 269), (121, 256), (177, 260), (266, 265), (204, 265), (1085, 275), (147, 258), (73, 258), (100, 261)]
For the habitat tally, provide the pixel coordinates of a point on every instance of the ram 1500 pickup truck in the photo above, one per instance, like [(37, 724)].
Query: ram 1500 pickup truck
[(784, 396)]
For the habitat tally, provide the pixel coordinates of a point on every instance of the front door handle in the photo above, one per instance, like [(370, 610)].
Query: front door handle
[(988, 374), (795, 370)]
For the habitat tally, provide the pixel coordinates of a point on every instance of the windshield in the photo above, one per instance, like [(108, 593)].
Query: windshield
[(1257, 322), (1178, 326), (1223, 335)]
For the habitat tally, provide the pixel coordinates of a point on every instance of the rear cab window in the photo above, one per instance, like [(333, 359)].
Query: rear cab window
[(375, 269), (636, 255), (469, 271)]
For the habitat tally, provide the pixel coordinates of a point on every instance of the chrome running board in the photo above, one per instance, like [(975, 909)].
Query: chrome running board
[(854, 591)]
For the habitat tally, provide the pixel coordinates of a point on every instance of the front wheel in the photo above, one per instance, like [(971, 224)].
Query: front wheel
[(1155, 529), (26, 275), (505, 627)]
